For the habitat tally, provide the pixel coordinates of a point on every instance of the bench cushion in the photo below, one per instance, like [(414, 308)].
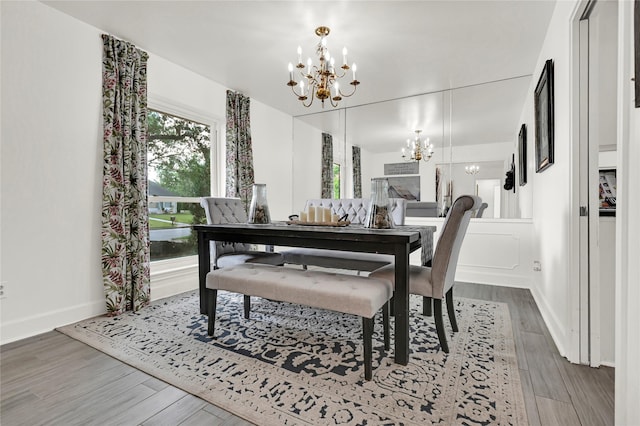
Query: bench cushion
[(337, 259), (351, 294)]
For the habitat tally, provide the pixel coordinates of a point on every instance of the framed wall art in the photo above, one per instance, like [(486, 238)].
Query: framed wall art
[(522, 155), (543, 98)]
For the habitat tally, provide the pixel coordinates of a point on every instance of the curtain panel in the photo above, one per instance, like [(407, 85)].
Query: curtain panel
[(125, 220), (327, 166), (357, 172), (239, 171)]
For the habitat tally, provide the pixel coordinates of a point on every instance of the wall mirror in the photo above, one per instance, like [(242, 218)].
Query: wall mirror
[(474, 125)]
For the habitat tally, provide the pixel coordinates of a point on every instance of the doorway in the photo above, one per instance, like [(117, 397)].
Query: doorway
[(598, 29), (489, 191)]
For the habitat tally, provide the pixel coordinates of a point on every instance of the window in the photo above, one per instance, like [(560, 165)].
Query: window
[(179, 173), (336, 181)]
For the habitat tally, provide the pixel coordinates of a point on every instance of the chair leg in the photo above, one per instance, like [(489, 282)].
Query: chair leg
[(212, 296), (367, 336), (385, 325), (451, 310), (437, 312), (247, 306), (426, 306)]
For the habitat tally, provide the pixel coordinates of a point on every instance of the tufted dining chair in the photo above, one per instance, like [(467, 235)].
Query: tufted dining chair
[(230, 210), (436, 282)]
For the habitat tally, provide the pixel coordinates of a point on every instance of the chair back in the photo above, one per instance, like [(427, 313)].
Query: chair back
[(445, 257), (481, 209), (225, 210), (356, 208)]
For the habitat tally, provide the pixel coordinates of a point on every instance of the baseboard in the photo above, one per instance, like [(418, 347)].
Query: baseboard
[(174, 281), (551, 321), (164, 283), (493, 278), (47, 321)]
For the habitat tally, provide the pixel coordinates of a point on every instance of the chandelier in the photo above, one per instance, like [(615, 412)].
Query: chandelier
[(321, 80), (417, 149), (472, 169)]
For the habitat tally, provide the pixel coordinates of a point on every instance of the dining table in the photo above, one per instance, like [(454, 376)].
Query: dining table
[(399, 241)]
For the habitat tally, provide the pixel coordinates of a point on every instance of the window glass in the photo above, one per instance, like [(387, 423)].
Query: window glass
[(179, 172)]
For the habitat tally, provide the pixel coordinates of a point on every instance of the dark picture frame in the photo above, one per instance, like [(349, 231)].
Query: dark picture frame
[(522, 155), (544, 122)]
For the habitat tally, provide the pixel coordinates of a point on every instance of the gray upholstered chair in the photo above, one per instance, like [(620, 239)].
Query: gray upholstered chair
[(231, 210), (436, 282), (356, 211), (481, 209)]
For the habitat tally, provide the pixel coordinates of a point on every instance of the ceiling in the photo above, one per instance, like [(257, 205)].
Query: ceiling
[(403, 49)]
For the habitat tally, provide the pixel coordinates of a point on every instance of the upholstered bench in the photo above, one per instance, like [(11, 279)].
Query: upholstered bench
[(350, 294), (356, 211)]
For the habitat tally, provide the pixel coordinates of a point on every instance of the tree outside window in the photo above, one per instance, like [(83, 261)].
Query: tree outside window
[(336, 180), (179, 168)]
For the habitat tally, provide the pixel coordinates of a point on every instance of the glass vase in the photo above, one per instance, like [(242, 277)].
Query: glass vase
[(379, 213), (259, 209)]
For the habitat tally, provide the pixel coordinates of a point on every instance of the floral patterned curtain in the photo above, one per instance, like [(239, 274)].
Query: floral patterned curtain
[(125, 221), (357, 172), (240, 176), (327, 166)]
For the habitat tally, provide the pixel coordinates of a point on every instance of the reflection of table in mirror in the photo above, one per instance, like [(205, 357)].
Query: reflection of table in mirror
[(400, 242)]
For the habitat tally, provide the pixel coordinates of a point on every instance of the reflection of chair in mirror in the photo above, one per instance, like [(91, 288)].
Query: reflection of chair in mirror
[(436, 282), (231, 210), (481, 209)]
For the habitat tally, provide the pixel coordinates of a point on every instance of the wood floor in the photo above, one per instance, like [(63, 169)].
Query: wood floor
[(54, 380)]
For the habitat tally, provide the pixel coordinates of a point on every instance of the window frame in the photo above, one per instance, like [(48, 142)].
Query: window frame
[(161, 269)]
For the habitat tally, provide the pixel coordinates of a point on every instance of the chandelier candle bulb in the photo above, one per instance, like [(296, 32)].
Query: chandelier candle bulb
[(290, 71), (344, 55), (299, 54), (354, 71)]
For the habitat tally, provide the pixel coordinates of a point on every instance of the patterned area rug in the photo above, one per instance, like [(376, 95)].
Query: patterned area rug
[(291, 365)]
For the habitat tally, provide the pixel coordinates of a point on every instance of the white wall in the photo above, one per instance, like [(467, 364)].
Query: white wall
[(508, 263), (627, 388), (51, 162), (551, 189), (51, 169), (307, 151), (273, 156)]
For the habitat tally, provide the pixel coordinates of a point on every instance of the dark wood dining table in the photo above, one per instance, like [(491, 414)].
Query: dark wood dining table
[(399, 242)]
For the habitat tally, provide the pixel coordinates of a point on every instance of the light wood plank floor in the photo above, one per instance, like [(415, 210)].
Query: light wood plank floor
[(54, 380)]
